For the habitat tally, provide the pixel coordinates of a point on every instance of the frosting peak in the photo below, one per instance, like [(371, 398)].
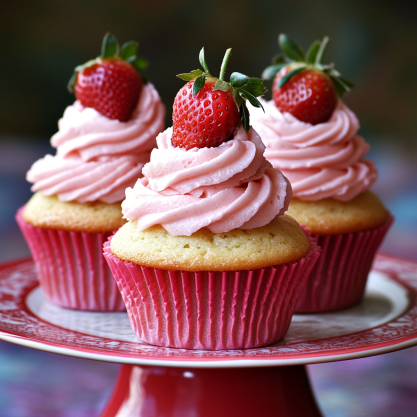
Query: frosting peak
[(98, 157), (323, 160), (223, 188)]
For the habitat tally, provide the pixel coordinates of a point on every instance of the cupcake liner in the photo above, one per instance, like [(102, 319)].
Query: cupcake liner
[(339, 277), (211, 310), (71, 268)]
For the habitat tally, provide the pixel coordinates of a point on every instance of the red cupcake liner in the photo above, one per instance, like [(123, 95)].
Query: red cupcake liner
[(71, 268), (339, 277), (211, 310)]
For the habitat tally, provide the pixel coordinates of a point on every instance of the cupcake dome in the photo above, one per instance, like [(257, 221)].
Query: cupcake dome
[(198, 206)]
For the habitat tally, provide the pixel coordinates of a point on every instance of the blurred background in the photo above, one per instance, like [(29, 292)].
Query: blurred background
[(373, 44)]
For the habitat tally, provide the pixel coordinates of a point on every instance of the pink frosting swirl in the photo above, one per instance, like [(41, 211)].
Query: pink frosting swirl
[(223, 188), (324, 160), (97, 157)]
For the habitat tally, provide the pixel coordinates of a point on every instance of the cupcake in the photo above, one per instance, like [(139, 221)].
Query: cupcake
[(104, 139), (208, 259), (311, 136)]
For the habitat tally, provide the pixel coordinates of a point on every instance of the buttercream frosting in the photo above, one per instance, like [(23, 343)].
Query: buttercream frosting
[(323, 160), (98, 157), (222, 188)]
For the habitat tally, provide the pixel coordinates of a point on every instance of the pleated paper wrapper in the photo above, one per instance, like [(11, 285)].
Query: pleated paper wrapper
[(71, 268), (338, 279), (211, 310)]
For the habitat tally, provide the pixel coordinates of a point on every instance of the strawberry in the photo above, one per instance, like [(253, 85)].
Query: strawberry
[(111, 83), (302, 85), (207, 110)]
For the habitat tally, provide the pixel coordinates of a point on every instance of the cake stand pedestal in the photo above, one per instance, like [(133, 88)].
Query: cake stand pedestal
[(264, 382), (242, 392)]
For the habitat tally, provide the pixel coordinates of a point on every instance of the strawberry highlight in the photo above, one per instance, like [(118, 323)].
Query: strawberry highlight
[(207, 110), (111, 83), (303, 86)]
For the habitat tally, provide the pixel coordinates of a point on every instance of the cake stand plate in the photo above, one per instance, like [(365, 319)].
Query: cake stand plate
[(178, 382)]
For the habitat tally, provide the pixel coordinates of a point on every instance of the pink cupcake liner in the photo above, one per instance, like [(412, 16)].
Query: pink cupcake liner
[(71, 268), (339, 278), (211, 310)]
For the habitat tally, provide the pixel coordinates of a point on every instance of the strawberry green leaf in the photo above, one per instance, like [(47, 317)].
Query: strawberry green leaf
[(196, 72), (286, 77), (294, 56), (129, 50), (237, 98), (186, 77), (71, 82), (290, 48), (89, 63), (254, 89), (110, 46), (190, 75), (139, 63), (272, 71), (278, 59), (77, 69), (346, 82), (252, 99), (332, 72), (342, 86), (203, 62), (254, 80), (312, 52), (221, 85), (328, 68), (238, 80), (245, 116), (198, 84)]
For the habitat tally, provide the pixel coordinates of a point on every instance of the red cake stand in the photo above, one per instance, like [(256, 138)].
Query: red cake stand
[(262, 382)]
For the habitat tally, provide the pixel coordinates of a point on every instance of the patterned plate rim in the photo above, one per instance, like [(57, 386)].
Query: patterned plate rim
[(17, 280)]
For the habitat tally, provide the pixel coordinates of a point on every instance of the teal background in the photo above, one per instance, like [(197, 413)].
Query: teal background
[(373, 43)]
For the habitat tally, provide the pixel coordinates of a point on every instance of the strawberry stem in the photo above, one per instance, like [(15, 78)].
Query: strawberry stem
[(320, 52), (224, 64), (203, 61)]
